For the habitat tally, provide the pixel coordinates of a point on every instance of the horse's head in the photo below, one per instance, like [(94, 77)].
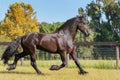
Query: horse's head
[(82, 25)]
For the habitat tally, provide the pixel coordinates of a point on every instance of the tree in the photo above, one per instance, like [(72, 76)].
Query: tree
[(19, 20), (104, 19), (45, 27)]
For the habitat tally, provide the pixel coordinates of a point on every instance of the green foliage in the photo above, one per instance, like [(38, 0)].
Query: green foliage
[(81, 11), (104, 18), (45, 27)]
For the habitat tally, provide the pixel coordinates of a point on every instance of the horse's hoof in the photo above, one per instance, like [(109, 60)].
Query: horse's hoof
[(83, 72), (54, 67), (40, 73), (11, 67)]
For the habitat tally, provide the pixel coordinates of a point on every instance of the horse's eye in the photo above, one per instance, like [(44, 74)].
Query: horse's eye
[(84, 23)]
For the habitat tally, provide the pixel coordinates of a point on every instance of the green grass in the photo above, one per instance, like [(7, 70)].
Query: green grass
[(98, 64), (98, 70)]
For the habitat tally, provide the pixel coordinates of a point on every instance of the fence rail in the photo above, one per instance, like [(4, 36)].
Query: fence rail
[(4, 43), (116, 44), (85, 43), (97, 43)]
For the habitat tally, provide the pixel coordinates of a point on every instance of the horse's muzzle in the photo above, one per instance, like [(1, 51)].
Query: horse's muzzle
[(87, 33)]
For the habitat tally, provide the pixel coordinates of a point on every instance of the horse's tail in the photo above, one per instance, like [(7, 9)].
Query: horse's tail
[(11, 50)]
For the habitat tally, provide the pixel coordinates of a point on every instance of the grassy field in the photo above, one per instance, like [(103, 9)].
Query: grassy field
[(98, 70)]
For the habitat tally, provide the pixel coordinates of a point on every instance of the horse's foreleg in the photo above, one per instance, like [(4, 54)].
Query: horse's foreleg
[(17, 57), (33, 63), (73, 55), (63, 58)]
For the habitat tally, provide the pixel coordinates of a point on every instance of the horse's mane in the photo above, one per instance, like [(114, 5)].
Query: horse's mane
[(68, 23)]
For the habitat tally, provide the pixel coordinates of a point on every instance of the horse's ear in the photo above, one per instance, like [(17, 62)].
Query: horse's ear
[(78, 18), (84, 16)]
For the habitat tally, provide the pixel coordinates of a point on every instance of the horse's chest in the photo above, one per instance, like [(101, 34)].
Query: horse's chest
[(64, 44)]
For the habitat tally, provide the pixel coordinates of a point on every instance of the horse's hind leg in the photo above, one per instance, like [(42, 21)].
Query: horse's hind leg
[(33, 63), (17, 57), (73, 55)]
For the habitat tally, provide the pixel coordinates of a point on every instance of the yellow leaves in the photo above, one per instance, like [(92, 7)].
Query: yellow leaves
[(19, 20), (8, 22), (12, 33), (2, 32), (108, 2), (97, 7)]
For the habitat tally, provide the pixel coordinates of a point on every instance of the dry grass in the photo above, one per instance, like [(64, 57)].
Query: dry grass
[(27, 73)]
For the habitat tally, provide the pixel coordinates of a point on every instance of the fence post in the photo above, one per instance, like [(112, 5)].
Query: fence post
[(117, 57), (67, 59), (22, 61)]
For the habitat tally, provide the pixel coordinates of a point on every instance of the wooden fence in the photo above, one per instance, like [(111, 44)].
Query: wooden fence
[(4, 43), (116, 44)]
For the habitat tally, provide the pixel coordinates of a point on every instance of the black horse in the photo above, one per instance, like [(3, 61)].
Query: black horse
[(61, 42)]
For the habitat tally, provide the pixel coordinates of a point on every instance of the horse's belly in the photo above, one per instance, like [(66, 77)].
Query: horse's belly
[(48, 45), (48, 48)]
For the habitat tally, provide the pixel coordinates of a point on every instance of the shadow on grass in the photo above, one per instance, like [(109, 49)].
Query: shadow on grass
[(15, 72)]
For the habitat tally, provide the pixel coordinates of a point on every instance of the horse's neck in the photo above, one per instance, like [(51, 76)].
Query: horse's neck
[(69, 29), (71, 33)]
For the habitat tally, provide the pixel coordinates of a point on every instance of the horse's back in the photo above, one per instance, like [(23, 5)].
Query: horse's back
[(47, 42), (31, 38), (41, 41)]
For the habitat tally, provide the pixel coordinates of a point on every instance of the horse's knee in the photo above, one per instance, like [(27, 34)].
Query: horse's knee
[(16, 57), (64, 64), (33, 63)]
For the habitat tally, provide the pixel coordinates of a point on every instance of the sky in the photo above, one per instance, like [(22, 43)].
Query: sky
[(48, 10)]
